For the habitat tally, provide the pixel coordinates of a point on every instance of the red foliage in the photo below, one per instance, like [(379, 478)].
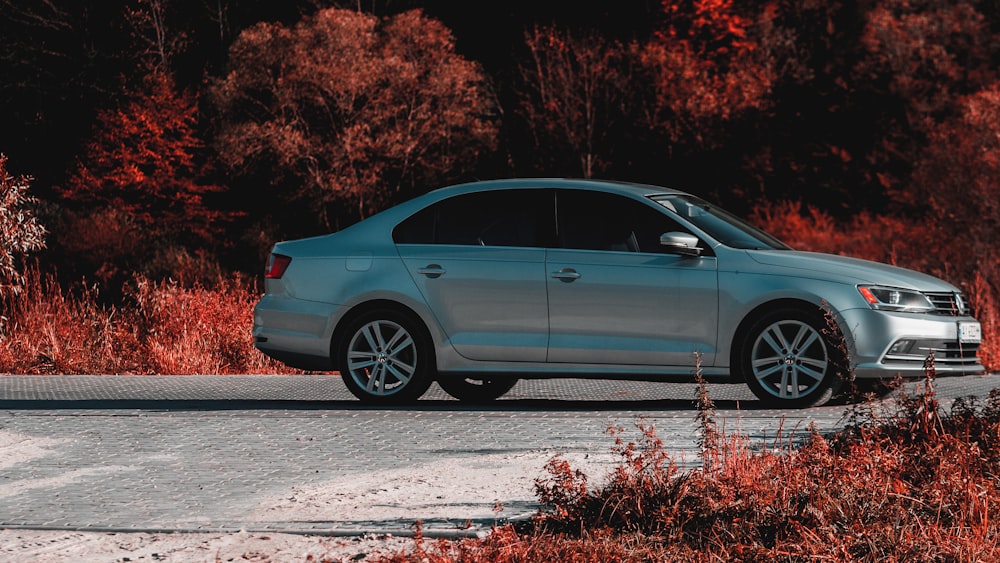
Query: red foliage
[(142, 163), (705, 65), (713, 29), (957, 180), (162, 328), (928, 50), (345, 108)]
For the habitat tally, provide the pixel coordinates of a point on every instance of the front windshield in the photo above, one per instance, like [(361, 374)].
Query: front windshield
[(719, 224)]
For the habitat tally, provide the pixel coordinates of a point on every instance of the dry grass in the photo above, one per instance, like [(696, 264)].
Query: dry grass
[(159, 328), (903, 482)]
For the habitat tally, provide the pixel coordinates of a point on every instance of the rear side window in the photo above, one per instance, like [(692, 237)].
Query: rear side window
[(493, 218)]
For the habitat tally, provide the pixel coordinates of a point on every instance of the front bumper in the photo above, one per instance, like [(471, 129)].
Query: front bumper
[(884, 344)]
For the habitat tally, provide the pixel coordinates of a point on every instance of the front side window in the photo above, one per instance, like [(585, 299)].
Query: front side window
[(493, 218), (590, 220), (720, 224)]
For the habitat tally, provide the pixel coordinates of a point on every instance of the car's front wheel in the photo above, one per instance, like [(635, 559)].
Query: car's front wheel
[(385, 357), (476, 390), (791, 359)]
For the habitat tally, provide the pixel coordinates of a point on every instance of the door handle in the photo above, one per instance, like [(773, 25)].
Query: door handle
[(432, 271), (566, 275)]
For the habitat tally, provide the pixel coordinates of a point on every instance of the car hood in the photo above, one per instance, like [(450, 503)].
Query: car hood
[(849, 270)]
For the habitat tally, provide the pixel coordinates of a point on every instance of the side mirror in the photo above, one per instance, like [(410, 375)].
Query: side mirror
[(680, 243)]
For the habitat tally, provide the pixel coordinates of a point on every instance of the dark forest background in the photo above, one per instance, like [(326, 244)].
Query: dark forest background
[(181, 138), (152, 151)]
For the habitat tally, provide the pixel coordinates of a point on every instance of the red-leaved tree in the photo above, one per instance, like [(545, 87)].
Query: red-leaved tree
[(922, 56), (574, 93), (957, 182), (705, 67), (928, 52), (344, 110), (141, 182)]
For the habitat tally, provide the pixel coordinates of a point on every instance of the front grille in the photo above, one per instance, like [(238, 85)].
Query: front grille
[(951, 304)]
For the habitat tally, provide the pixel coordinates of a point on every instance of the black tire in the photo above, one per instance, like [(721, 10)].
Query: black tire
[(791, 358), (385, 357), (476, 390)]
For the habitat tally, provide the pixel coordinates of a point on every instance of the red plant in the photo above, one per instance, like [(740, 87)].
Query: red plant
[(161, 328), (705, 67), (344, 108), (140, 184), (143, 162)]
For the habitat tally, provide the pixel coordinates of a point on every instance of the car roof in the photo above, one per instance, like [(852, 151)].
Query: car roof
[(633, 188)]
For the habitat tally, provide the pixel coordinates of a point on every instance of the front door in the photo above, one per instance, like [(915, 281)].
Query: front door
[(616, 298)]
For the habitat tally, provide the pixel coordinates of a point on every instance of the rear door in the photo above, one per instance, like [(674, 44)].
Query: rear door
[(615, 296), (479, 261)]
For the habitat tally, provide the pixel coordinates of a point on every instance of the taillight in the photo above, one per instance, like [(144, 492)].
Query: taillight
[(276, 266)]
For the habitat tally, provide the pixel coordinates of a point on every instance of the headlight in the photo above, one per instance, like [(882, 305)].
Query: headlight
[(894, 299)]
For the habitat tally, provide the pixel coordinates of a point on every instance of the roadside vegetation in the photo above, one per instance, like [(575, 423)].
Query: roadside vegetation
[(905, 480), (155, 327)]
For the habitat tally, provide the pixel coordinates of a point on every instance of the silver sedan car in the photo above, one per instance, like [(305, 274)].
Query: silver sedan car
[(477, 285)]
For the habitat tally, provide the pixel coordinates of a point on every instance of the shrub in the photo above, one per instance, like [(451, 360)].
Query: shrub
[(344, 109), (159, 328), (56, 331), (188, 330), (20, 231)]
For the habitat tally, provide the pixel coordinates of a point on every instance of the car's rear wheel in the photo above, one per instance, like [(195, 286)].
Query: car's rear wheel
[(476, 390), (385, 357), (791, 359)]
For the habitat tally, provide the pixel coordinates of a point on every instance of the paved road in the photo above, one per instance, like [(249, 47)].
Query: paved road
[(298, 454)]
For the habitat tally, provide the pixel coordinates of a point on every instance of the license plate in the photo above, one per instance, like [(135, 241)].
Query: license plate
[(970, 333)]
